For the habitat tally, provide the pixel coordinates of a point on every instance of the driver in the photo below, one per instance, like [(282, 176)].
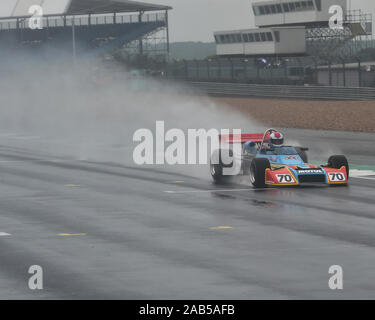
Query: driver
[(276, 140)]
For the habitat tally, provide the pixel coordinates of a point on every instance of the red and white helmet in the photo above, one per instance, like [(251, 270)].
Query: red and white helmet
[(276, 139)]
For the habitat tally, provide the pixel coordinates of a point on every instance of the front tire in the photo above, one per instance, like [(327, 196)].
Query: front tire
[(258, 172), (337, 162)]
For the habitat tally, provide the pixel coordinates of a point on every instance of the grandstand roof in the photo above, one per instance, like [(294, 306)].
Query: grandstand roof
[(20, 8), (109, 6)]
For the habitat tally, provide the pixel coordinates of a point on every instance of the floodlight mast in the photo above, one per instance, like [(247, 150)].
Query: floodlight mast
[(74, 41)]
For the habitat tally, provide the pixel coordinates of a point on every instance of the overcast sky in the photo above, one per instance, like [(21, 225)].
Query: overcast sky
[(196, 20)]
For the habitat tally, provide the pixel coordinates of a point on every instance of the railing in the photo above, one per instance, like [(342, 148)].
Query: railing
[(275, 91)]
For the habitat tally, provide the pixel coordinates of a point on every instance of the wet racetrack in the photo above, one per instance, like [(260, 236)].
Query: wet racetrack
[(105, 230)]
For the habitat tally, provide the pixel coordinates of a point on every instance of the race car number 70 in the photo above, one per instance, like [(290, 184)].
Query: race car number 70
[(284, 178), (333, 176)]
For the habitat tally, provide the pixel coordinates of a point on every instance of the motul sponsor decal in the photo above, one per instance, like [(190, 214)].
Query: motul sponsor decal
[(309, 171)]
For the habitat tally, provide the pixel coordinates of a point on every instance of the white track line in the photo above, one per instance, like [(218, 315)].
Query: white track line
[(41, 160), (362, 174), (366, 178), (4, 234)]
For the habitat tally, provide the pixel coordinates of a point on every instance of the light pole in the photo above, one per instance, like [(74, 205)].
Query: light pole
[(74, 40)]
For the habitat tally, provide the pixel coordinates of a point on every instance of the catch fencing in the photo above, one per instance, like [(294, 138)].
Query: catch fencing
[(284, 91), (277, 71)]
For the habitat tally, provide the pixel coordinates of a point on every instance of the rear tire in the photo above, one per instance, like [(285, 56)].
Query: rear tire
[(258, 172), (217, 173), (337, 162), (217, 165)]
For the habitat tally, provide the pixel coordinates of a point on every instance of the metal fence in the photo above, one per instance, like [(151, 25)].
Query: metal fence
[(284, 91), (249, 70), (276, 71)]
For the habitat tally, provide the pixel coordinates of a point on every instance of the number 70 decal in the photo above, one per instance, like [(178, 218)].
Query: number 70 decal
[(336, 177), (284, 178)]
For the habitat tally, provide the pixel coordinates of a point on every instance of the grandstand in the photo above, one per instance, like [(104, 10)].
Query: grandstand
[(84, 27)]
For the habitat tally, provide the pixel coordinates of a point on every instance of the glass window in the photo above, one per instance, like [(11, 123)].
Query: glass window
[(245, 37), (277, 36), (298, 6), (238, 38), (263, 36), (267, 9), (257, 37), (273, 8), (222, 38), (286, 7), (318, 5), (251, 37), (278, 8), (256, 10), (310, 5), (304, 5), (261, 10), (292, 6), (269, 36), (227, 38), (216, 39)]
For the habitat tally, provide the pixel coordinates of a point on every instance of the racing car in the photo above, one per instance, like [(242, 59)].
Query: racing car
[(268, 162)]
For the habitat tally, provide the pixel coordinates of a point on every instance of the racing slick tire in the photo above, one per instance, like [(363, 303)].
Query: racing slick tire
[(302, 154), (258, 172), (217, 164), (217, 173), (337, 162)]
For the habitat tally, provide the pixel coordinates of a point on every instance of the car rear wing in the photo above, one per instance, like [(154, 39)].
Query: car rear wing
[(242, 138)]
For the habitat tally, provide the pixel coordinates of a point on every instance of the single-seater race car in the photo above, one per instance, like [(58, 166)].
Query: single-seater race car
[(268, 162)]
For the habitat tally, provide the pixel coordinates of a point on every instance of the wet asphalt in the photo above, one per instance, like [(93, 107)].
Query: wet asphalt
[(102, 230)]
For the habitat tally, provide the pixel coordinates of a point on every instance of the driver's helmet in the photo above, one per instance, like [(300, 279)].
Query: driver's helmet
[(276, 139)]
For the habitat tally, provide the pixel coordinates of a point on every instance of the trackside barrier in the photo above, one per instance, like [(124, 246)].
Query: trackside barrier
[(280, 91)]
